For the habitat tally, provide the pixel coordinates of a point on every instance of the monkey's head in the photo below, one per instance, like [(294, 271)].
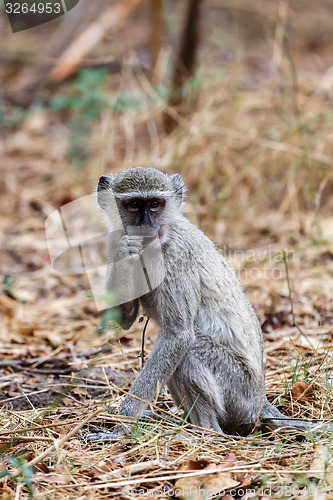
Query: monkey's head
[(148, 200)]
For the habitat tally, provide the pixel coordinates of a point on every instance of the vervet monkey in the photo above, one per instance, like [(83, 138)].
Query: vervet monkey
[(210, 349)]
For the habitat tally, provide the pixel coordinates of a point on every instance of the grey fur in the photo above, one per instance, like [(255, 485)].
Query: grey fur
[(210, 349)]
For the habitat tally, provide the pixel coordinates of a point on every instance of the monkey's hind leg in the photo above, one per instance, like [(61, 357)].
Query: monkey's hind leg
[(192, 396), (214, 389)]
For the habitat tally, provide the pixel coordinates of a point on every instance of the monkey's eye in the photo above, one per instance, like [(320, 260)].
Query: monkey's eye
[(155, 205), (133, 205)]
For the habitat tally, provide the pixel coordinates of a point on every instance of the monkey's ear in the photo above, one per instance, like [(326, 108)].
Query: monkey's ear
[(103, 186), (178, 185)]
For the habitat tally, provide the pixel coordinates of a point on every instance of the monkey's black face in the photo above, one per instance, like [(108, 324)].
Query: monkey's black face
[(143, 211), (147, 201)]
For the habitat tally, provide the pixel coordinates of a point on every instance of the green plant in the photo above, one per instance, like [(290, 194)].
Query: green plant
[(24, 472), (85, 101), (10, 116), (108, 319), (301, 369), (125, 101)]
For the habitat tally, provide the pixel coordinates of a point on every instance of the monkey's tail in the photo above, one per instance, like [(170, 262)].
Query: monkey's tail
[(271, 418)]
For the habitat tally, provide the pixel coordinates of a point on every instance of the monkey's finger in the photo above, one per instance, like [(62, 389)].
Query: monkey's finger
[(134, 239), (135, 246), (134, 251)]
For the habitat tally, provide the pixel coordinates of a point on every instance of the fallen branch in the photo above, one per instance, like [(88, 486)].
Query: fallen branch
[(78, 50), (63, 440)]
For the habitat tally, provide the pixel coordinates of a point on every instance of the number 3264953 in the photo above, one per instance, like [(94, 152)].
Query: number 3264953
[(36, 7)]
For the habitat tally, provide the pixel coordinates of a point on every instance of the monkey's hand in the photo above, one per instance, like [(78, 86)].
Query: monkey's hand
[(117, 434), (130, 246)]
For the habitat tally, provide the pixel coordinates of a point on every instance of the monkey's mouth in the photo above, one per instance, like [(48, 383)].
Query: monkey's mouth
[(145, 232), (148, 234)]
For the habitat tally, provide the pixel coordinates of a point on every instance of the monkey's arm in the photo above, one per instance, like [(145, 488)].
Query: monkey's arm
[(169, 349), (177, 312), (122, 262), (163, 360), (128, 313), (177, 303)]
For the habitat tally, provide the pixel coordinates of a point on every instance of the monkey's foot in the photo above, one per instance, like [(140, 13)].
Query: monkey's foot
[(117, 434)]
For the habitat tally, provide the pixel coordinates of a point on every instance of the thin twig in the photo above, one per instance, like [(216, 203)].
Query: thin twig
[(142, 354), (63, 440), (295, 323)]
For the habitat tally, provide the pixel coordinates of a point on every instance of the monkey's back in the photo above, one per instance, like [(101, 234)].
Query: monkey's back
[(210, 295)]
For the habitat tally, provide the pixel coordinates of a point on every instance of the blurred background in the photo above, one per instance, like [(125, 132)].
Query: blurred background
[(236, 96)]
